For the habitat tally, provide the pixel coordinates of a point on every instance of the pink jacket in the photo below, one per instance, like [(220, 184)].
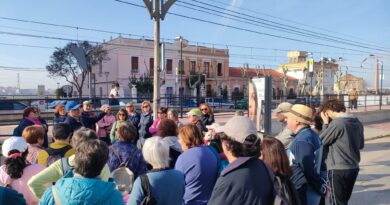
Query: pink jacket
[(33, 151), (20, 185), (154, 128), (104, 125)]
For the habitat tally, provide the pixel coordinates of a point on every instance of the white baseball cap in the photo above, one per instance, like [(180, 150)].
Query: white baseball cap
[(14, 143)]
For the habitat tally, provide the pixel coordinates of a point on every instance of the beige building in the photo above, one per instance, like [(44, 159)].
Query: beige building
[(238, 80), (135, 58), (348, 81), (298, 67)]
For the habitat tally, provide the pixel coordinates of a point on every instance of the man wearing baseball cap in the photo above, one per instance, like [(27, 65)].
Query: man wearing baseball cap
[(88, 118), (285, 135), (245, 180), (305, 166)]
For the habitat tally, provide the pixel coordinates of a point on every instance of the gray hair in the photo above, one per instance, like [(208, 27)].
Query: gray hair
[(174, 112), (81, 135), (156, 152), (104, 106)]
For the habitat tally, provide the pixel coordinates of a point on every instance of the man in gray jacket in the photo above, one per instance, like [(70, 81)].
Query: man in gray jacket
[(343, 138)]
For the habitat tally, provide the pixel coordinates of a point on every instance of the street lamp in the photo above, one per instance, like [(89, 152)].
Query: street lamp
[(58, 85), (181, 70), (106, 74)]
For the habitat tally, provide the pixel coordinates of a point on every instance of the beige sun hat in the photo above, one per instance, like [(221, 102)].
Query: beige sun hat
[(300, 113), (283, 107)]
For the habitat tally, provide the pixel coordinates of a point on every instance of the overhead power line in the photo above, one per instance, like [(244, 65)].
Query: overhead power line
[(167, 39), (252, 31), (252, 20), (295, 22)]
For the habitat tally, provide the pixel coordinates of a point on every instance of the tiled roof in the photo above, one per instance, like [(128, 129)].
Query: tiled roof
[(237, 72)]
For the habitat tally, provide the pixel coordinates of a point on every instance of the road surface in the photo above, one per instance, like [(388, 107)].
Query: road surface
[(373, 183)]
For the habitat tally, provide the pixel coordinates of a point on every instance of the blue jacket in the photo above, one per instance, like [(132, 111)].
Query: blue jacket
[(25, 123), (306, 142), (245, 181), (74, 123), (144, 124), (59, 119), (10, 196), (125, 151), (90, 121), (134, 119), (79, 190), (199, 166), (167, 187)]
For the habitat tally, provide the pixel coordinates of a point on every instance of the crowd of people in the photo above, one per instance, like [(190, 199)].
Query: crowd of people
[(130, 158)]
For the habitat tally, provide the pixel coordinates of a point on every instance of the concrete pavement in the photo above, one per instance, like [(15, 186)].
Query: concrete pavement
[(373, 183)]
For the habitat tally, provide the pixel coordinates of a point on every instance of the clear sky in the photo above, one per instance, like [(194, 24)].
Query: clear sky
[(363, 22)]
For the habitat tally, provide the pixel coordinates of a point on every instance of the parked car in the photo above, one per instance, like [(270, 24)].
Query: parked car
[(242, 104), (53, 104), (315, 101), (11, 107), (218, 103)]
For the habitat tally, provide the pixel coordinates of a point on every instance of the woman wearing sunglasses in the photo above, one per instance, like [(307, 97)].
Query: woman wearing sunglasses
[(207, 114), (145, 122)]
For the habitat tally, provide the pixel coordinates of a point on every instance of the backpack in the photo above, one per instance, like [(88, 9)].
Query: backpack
[(222, 164), (148, 199), (284, 192), (123, 176), (56, 154), (65, 166)]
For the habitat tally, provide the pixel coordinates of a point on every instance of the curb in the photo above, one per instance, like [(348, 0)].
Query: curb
[(377, 137)]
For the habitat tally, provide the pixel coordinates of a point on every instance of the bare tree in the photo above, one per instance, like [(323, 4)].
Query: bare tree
[(64, 65)]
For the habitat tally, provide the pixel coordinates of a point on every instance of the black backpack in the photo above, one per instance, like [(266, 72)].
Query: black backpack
[(284, 192), (56, 154), (148, 199)]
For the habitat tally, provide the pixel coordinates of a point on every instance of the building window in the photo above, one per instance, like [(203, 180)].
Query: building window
[(100, 67), (134, 64), (219, 69), (192, 67), (169, 66), (151, 66), (206, 66)]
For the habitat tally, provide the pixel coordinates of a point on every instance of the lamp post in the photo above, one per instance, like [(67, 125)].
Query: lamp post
[(181, 70), (381, 91), (376, 77), (106, 74), (58, 85)]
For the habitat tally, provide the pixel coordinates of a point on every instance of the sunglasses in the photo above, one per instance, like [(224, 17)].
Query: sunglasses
[(203, 109), (145, 106), (121, 114)]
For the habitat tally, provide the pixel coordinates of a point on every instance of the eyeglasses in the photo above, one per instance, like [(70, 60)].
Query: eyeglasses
[(120, 114), (203, 109), (145, 106)]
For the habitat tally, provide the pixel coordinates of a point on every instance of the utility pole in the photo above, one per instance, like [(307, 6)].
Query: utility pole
[(381, 91), (376, 77), (156, 12)]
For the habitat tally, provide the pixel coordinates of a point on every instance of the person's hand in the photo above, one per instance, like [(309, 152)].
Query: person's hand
[(106, 109), (328, 191), (44, 127), (325, 118)]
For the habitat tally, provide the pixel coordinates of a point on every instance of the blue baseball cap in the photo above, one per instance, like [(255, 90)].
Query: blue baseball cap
[(71, 105)]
